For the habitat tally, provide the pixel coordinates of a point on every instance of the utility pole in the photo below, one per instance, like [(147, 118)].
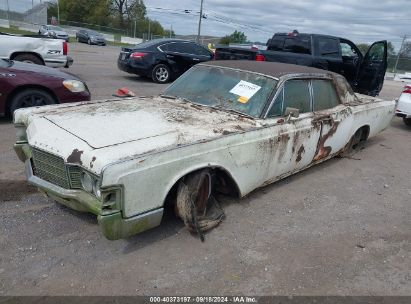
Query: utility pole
[(148, 29), (58, 12), (8, 11), (399, 53), (199, 22), (135, 27)]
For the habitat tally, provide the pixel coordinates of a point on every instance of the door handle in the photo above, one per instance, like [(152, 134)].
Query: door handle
[(196, 59), (170, 56)]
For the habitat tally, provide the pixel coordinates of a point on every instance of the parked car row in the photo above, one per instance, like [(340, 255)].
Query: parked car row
[(83, 35)]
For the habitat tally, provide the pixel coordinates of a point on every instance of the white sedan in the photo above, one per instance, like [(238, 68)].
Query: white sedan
[(227, 127), (404, 105)]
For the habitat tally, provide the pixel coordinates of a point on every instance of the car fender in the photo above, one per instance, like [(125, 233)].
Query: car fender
[(148, 180)]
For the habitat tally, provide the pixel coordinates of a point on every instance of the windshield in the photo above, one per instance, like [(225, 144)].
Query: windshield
[(55, 28), (94, 33), (4, 63), (224, 88)]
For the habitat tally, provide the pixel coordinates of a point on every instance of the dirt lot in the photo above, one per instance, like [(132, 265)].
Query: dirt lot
[(340, 228)]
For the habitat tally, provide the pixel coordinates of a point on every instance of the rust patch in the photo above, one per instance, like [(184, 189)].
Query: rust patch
[(323, 151), (75, 157), (92, 161), (300, 153)]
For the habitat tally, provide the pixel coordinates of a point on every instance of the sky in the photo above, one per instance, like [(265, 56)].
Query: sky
[(362, 21)]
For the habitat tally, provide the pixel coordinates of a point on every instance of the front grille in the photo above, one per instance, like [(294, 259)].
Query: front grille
[(74, 173), (50, 168)]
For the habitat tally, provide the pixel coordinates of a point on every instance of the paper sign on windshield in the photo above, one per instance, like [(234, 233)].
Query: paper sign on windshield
[(245, 90)]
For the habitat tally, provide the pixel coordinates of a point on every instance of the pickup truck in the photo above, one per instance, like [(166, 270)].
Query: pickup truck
[(35, 49), (365, 73)]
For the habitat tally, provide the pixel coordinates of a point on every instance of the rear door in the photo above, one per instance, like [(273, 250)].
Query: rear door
[(372, 69), (331, 117)]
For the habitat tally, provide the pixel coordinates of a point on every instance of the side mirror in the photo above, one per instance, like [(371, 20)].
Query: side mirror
[(291, 112)]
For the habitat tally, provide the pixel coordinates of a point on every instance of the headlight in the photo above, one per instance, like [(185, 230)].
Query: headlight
[(87, 182), (96, 189), (91, 183), (74, 86), (21, 133)]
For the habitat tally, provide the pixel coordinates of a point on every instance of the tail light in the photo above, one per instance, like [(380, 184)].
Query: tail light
[(137, 55), (407, 89), (259, 57), (65, 48)]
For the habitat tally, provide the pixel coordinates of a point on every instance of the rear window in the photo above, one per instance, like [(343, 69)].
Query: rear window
[(292, 44)]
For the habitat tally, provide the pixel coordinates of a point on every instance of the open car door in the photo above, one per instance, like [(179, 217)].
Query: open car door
[(372, 70)]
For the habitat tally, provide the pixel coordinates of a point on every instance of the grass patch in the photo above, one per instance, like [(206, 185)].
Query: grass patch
[(16, 31)]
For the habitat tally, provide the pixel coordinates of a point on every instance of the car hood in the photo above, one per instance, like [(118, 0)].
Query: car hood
[(113, 130), (39, 69), (111, 123)]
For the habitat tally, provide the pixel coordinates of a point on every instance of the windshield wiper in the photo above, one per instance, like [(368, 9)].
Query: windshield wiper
[(219, 107), (168, 96)]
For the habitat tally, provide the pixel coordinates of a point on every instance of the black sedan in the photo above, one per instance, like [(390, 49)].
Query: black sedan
[(162, 59), (90, 37)]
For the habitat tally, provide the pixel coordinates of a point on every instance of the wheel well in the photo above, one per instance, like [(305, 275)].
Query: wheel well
[(223, 182), (28, 53), (27, 87), (365, 132)]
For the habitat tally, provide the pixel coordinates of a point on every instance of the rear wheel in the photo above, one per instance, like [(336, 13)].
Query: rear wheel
[(161, 73), (407, 121), (29, 58), (30, 98)]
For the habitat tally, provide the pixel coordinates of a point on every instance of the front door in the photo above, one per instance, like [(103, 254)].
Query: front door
[(372, 70)]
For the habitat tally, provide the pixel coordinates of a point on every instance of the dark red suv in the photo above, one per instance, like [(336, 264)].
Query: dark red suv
[(26, 85)]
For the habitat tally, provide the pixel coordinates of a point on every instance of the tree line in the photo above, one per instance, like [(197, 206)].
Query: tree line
[(126, 15)]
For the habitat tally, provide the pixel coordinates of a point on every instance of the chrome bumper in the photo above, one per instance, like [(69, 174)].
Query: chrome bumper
[(113, 226)]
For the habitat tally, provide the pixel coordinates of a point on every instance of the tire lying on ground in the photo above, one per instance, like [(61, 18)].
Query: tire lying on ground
[(30, 98), (196, 205)]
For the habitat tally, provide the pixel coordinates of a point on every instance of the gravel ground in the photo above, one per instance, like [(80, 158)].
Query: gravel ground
[(340, 228)]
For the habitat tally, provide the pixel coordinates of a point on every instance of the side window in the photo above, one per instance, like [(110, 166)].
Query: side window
[(347, 50), (199, 50), (324, 95), (179, 47), (298, 45), (297, 95), (277, 107), (328, 47), (377, 52), (187, 48), (276, 44)]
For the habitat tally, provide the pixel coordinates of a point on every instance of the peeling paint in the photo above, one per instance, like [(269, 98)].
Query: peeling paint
[(300, 153), (75, 157)]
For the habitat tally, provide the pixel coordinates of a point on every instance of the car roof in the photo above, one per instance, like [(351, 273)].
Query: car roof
[(164, 40), (273, 69)]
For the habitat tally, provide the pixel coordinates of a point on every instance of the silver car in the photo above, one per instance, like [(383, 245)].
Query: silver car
[(54, 32)]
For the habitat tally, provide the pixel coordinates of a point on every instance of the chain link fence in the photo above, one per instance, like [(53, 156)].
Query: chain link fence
[(23, 14)]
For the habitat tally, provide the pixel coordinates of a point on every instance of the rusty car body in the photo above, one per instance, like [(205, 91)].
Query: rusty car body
[(123, 159)]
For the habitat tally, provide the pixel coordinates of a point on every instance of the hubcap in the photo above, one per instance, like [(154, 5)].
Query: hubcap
[(162, 74), (32, 101)]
